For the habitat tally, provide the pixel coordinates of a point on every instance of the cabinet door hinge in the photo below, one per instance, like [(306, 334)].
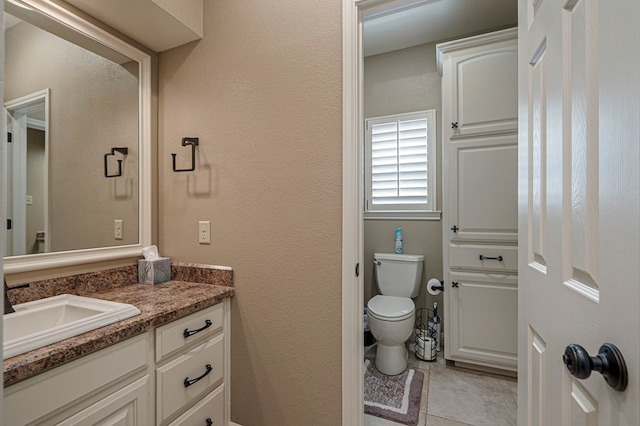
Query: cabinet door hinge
[(9, 137)]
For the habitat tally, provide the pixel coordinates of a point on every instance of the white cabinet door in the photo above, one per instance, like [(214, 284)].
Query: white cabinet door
[(478, 76), (579, 200), (482, 326), (481, 191), (125, 407)]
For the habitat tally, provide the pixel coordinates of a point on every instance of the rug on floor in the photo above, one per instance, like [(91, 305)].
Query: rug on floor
[(395, 398)]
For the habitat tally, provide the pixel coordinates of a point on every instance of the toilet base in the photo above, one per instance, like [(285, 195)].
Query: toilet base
[(391, 360)]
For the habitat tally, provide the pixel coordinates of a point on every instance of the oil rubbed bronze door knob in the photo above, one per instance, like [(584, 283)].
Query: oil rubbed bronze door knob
[(609, 362)]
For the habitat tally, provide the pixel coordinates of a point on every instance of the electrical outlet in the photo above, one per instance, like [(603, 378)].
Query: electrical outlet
[(117, 229), (204, 232)]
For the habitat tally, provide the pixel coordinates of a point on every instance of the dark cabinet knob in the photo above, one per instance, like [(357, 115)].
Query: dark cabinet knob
[(609, 362)]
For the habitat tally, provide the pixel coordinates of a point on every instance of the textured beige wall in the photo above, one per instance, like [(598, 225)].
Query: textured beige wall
[(262, 90), (93, 107), (397, 82)]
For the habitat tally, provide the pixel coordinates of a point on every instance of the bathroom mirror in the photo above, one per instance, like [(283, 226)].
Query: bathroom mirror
[(77, 167)]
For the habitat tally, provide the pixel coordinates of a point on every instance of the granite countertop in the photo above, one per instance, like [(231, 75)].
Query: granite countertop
[(158, 304)]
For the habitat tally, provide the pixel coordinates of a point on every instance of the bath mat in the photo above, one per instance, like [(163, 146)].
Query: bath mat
[(395, 398)]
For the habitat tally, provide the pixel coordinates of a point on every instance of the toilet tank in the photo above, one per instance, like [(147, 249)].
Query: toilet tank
[(398, 274)]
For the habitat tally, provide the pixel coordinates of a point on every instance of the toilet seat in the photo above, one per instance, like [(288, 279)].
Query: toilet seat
[(391, 308)]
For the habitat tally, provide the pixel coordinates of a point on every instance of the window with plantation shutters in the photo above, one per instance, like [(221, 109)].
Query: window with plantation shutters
[(400, 163)]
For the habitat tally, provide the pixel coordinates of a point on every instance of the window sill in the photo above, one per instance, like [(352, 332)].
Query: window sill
[(402, 215)]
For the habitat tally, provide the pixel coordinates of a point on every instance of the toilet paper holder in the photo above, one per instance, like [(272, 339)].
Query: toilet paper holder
[(435, 286), (426, 335)]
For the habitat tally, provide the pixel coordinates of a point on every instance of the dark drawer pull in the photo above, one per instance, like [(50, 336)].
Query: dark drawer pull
[(188, 382), (498, 258), (188, 332), (209, 422)]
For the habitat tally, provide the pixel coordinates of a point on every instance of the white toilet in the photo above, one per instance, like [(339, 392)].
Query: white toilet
[(392, 314)]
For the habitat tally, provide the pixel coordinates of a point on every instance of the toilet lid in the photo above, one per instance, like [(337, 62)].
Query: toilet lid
[(391, 308)]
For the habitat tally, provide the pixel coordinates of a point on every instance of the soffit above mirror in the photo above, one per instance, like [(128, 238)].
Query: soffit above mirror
[(158, 24)]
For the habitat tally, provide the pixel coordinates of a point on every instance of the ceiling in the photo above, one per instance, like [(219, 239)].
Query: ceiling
[(415, 22)]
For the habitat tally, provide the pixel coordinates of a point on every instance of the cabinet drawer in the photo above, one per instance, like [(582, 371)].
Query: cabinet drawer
[(467, 256), (210, 407), (172, 394), (171, 337)]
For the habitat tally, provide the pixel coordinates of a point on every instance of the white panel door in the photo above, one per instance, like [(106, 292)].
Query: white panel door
[(579, 209)]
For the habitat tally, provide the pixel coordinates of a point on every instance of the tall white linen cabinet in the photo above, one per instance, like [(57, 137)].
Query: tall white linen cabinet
[(480, 212)]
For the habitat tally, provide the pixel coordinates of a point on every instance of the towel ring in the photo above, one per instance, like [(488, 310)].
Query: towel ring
[(187, 141)]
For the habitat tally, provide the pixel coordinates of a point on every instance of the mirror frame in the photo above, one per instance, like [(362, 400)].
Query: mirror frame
[(32, 262)]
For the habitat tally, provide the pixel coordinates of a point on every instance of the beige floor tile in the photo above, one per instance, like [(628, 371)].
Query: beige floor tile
[(415, 362), (439, 421), (470, 398), (422, 420), (425, 391), (377, 421), (513, 386)]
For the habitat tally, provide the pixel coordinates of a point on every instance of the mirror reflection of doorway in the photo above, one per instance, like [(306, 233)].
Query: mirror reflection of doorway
[(27, 174)]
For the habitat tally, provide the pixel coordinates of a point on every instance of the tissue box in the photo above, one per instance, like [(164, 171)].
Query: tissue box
[(154, 271)]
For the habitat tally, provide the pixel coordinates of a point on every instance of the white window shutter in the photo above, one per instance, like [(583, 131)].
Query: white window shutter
[(399, 171)]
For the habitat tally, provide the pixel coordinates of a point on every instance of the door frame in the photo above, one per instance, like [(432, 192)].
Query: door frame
[(353, 14), (17, 111), (352, 220)]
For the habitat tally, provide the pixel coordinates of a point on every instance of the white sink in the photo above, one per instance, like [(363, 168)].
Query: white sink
[(42, 322)]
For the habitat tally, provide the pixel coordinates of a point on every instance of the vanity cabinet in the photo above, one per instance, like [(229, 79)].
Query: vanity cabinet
[(480, 198), (176, 374)]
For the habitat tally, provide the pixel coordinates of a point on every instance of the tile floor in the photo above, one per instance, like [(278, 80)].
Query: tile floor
[(453, 396)]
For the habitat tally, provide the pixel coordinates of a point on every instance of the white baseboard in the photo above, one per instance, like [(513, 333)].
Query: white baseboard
[(234, 424)]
